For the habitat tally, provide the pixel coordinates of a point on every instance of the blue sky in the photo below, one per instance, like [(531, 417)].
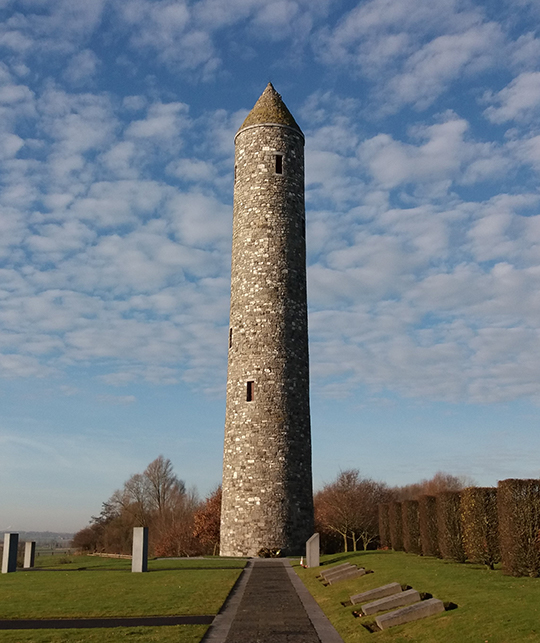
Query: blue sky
[(117, 117)]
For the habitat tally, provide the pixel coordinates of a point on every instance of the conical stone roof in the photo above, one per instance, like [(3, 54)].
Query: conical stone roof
[(270, 108)]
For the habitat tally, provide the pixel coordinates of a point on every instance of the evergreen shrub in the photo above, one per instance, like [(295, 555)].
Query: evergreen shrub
[(411, 527), (384, 525), (429, 533), (519, 526), (449, 526), (396, 525), (480, 525)]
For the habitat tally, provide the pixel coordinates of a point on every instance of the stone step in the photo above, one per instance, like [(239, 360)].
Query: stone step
[(390, 602), (374, 594), (356, 572), (411, 613)]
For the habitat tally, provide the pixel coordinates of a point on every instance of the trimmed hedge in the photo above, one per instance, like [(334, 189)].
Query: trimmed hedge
[(519, 526), (411, 527), (396, 525), (384, 525), (449, 526), (480, 525), (429, 532)]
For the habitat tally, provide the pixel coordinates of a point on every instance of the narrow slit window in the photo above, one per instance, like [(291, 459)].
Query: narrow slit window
[(249, 392), (230, 337), (279, 164)]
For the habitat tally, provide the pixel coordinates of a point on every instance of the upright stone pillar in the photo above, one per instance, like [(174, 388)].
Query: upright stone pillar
[(9, 558), (139, 561), (313, 548), (29, 554), (267, 483)]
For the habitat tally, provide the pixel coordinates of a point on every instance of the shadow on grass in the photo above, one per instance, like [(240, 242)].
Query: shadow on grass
[(124, 569)]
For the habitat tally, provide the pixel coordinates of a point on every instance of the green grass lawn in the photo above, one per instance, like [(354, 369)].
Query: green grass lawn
[(492, 608), (86, 586)]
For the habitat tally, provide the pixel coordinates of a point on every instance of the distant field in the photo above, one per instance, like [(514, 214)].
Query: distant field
[(492, 608), (84, 586)]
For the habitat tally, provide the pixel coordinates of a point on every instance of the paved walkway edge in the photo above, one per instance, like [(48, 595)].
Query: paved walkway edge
[(218, 631), (325, 630)]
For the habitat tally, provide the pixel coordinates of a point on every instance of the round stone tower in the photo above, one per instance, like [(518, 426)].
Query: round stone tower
[(267, 482)]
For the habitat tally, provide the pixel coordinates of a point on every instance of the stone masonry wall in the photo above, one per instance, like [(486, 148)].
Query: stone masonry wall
[(267, 480)]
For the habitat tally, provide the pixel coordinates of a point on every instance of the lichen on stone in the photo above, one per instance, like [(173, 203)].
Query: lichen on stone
[(270, 108)]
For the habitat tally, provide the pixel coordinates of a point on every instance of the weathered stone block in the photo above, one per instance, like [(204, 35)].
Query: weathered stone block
[(29, 554), (347, 575), (411, 613), (374, 594), (390, 602), (139, 561), (9, 558), (313, 551)]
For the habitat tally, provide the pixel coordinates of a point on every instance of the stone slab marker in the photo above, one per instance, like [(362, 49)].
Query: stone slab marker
[(338, 572), (347, 575), (390, 602), (336, 568), (29, 554), (9, 559), (411, 613), (139, 561), (313, 551), (374, 594)]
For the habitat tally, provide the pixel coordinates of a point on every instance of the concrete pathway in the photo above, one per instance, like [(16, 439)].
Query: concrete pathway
[(270, 604)]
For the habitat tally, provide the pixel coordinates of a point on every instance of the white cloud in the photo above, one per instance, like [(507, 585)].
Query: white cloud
[(200, 220), (412, 49), (10, 144), (527, 151), (428, 72), (53, 27), (446, 156), (520, 100), (117, 203), (166, 27), (117, 400), (525, 52), (162, 122), (82, 67), (14, 365), (193, 170), (123, 159)]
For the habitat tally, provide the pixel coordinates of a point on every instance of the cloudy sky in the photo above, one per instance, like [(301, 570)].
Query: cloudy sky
[(117, 117)]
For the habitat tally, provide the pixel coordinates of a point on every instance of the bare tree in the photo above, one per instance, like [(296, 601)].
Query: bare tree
[(207, 520), (440, 482), (162, 485), (157, 499), (349, 507)]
